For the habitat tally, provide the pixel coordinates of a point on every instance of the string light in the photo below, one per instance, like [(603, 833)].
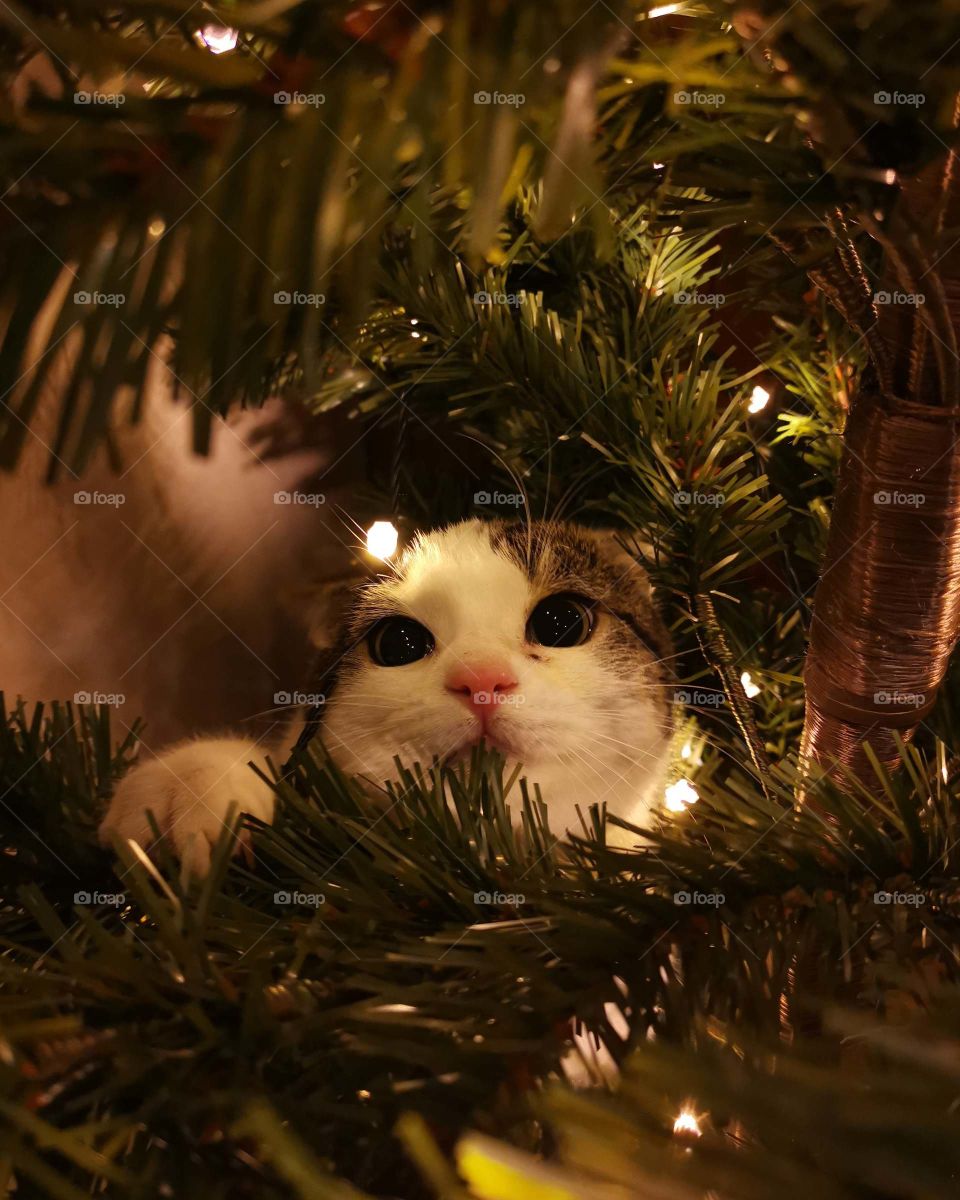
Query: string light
[(382, 539), (687, 750), (218, 39), (759, 399), (679, 795), (663, 10), (748, 685), (687, 1122)]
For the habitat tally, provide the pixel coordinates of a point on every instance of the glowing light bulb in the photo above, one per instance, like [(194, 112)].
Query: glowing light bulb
[(218, 39), (658, 166), (663, 10), (748, 685), (687, 1122), (687, 750), (382, 539), (759, 399), (156, 228), (677, 796), (890, 176)]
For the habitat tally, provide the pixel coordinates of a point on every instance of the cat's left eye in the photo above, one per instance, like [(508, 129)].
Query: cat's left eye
[(561, 621), (397, 641)]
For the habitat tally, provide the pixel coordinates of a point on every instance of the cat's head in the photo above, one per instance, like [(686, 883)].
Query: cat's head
[(543, 639)]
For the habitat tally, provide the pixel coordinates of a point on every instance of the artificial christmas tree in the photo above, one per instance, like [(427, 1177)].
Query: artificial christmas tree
[(636, 260)]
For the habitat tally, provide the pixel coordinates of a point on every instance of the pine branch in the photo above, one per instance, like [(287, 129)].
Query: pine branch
[(229, 994)]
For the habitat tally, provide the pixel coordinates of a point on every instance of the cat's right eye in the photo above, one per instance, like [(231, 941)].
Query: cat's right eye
[(397, 641)]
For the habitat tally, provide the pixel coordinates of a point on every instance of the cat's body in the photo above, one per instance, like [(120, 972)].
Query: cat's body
[(541, 639), (162, 593)]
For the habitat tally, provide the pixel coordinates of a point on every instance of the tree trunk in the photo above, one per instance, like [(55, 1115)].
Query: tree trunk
[(887, 608)]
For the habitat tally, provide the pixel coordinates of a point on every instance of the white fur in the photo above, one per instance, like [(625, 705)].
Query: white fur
[(194, 791), (570, 722)]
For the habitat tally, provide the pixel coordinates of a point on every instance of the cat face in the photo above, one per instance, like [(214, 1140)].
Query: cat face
[(540, 639)]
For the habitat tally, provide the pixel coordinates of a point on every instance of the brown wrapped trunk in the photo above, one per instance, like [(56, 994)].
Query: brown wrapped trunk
[(887, 608)]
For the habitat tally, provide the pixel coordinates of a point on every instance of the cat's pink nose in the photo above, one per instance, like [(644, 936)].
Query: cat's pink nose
[(482, 687)]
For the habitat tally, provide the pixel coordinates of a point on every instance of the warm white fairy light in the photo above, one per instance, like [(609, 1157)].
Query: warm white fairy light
[(748, 685), (687, 1122), (663, 10), (687, 750), (382, 539), (759, 399), (679, 795), (218, 39)]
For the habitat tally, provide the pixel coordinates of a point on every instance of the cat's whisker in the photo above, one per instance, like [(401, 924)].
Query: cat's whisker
[(648, 754), (570, 750), (346, 520), (291, 709), (608, 737), (607, 766)]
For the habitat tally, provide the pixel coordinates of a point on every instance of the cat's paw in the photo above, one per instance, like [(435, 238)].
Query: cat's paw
[(190, 790)]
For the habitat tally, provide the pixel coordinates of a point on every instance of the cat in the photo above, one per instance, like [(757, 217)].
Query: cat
[(541, 638)]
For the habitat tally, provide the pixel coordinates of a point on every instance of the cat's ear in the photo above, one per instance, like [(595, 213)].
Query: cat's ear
[(321, 607), (627, 551)]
